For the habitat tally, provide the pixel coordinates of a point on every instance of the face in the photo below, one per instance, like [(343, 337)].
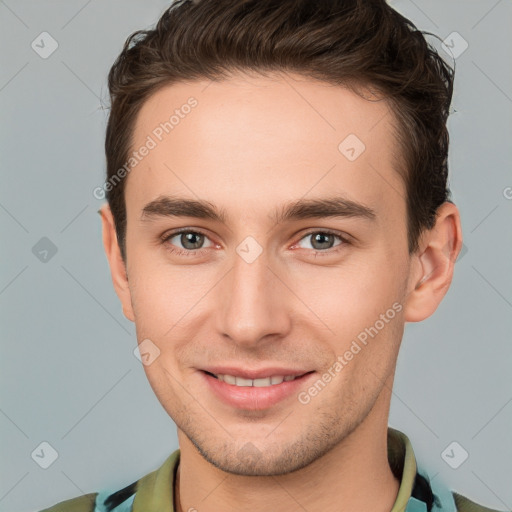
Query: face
[(292, 262)]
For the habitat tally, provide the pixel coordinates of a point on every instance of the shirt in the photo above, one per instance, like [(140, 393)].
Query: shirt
[(154, 491)]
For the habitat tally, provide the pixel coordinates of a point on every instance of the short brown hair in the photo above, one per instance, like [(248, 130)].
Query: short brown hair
[(342, 42)]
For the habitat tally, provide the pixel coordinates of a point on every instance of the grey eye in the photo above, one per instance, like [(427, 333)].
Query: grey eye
[(321, 240), (188, 240)]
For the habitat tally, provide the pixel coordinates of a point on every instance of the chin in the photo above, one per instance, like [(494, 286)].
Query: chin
[(273, 460)]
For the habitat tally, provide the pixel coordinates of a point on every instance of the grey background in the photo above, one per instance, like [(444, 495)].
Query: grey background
[(68, 373)]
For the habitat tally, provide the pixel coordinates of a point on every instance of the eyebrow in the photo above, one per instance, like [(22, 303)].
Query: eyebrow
[(337, 206)]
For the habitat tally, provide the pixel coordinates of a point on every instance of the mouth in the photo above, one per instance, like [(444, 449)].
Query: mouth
[(274, 380), (255, 390)]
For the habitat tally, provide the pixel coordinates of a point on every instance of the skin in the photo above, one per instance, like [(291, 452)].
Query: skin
[(251, 145)]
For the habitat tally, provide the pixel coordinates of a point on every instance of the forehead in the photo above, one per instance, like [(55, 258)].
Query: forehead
[(277, 137)]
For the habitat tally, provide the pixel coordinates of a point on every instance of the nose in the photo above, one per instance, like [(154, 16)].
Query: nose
[(253, 305)]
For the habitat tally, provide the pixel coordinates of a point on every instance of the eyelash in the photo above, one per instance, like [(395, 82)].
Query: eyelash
[(187, 253)]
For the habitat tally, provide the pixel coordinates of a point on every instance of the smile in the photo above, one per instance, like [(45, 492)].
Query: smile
[(257, 393), (259, 383)]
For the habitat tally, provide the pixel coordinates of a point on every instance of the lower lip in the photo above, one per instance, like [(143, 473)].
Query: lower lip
[(255, 398)]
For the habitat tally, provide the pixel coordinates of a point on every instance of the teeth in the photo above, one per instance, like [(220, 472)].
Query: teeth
[(258, 383), (240, 381), (228, 379)]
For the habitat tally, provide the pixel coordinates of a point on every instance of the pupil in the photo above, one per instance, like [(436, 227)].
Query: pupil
[(318, 238), (188, 238)]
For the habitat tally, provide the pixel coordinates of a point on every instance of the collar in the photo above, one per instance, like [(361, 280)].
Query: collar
[(416, 492), (403, 464), (154, 492)]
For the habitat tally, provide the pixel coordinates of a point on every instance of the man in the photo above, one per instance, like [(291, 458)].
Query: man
[(277, 210)]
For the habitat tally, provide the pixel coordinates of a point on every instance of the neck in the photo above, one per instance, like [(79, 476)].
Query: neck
[(177, 499), (352, 477)]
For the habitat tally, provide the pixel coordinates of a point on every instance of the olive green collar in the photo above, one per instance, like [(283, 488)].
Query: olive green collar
[(154, 492)]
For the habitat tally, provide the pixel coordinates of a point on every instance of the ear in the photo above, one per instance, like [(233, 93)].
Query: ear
[(433, 264), (117, 266)]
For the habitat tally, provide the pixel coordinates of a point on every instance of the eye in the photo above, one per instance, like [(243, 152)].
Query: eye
[(322, 241), (189, 240)]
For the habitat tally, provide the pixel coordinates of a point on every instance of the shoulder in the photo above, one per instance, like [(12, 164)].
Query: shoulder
[(85, 503), (104, 501), (464, 504), (151, 492)]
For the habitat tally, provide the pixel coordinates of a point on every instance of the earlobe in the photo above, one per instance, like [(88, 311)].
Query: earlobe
[(432, 269), (115, 261)]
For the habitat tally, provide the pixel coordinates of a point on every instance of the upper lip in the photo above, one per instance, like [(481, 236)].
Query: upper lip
[(260, 373)]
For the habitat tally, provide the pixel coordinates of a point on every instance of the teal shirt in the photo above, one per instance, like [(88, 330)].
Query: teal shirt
[(153, 492)]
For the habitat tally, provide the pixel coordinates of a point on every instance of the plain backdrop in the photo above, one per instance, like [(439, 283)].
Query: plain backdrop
[(69, 376)]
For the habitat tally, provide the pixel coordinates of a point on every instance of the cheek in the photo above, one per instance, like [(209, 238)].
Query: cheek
[(350, 297), (170, 305), (162, 294)]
